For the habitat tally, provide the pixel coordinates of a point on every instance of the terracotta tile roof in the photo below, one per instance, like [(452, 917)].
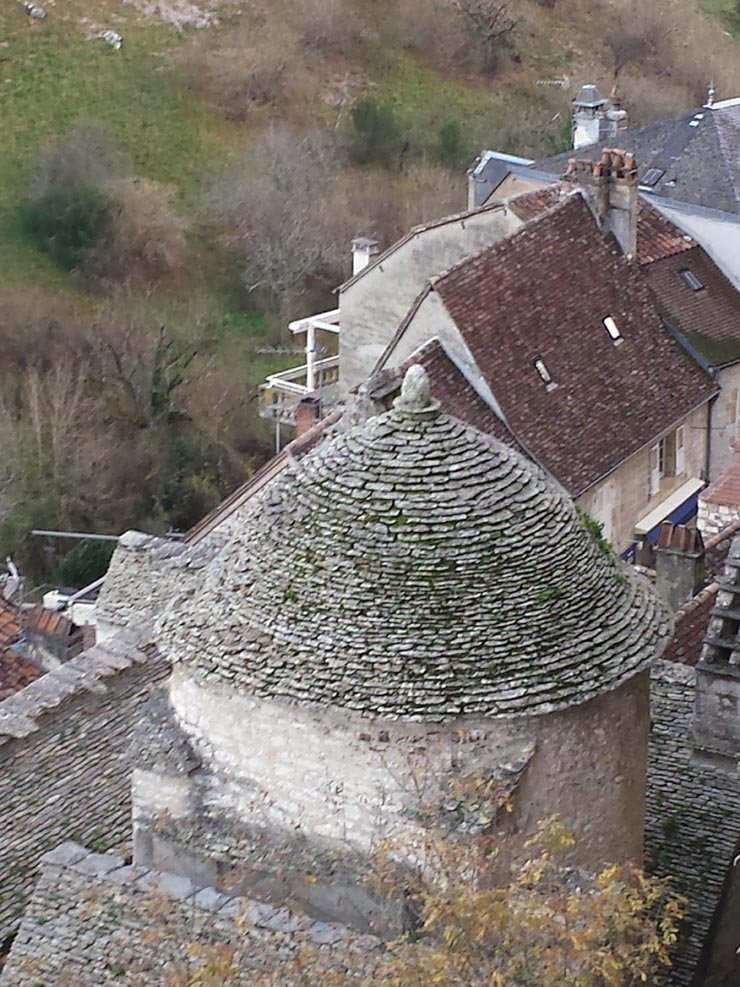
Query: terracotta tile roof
[(657, 237), (542, 294), (709, 317), (692, 620), (528, 205), (10, 627), (691, 626), (450, 386), (726, 488), (16, 673)]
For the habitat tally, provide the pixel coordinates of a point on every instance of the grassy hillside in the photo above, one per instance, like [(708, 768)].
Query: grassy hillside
[(258, 137)]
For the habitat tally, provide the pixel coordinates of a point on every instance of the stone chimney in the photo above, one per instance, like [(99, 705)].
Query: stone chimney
[(307, 414), (611, 186), (363, 251), (716, 724), (589, 108), (595, 118), (679, 564)]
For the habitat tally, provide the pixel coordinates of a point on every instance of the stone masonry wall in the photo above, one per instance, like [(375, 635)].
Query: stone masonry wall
[(713, 518), (693, 813), (342, 781), (64, 771)]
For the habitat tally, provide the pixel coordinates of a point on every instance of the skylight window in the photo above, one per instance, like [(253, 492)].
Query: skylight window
[(691, 280), (545, 375), (652, 176), (613, 329)]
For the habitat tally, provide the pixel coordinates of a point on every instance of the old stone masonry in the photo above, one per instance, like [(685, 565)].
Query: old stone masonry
[(400, 595)]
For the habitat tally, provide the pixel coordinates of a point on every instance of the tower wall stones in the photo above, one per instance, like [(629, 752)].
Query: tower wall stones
[(332, 784), (64, 772)]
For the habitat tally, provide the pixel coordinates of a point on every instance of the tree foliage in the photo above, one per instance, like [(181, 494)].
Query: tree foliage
[(65, 221), (480, 909)]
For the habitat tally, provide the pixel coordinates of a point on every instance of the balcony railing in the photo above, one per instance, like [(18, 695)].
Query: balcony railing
[(282, 392)]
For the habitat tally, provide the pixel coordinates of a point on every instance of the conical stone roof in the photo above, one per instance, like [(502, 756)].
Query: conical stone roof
[(414, 567)]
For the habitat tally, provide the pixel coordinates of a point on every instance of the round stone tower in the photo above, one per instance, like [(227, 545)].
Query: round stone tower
[(409, 601)]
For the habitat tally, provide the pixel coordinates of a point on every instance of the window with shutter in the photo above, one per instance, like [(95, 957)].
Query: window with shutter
[(655, 468), (680, 452)]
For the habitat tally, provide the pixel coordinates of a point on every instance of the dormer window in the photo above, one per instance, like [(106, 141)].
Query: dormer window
[(545, 375), (691, 280), (614, 331)]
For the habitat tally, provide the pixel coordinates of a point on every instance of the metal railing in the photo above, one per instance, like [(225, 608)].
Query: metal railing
[(282, 392)]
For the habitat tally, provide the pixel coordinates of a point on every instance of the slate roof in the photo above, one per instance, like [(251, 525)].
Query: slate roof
[(698, 153), (412, 567), (542, 294), (95, 921), (709, 317)]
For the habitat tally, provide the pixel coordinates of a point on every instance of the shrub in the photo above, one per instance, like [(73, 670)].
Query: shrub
[(65, 222), (87, 561), (85, 156), (452, 146), (144, 240), (376, 135)]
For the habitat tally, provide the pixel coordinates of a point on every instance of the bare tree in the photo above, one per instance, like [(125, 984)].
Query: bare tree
[(489, 25)]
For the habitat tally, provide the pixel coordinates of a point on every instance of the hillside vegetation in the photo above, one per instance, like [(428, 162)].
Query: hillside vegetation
[(165, 207)]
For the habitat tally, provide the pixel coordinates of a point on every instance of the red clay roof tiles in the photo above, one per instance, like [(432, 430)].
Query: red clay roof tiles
[(726, 488), (542, 294), (710, 316)]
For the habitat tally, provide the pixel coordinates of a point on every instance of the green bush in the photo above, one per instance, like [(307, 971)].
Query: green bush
[(452, 147), (376, 137), (87, 562), (65, 222)]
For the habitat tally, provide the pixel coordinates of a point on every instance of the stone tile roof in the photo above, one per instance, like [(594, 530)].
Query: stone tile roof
[(94, 920), (726, 488), (412, 567), (698, 153), (542, 294), (709, 317), (294, 450)]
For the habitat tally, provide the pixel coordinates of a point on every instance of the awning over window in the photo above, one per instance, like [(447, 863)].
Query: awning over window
[(679, 508)]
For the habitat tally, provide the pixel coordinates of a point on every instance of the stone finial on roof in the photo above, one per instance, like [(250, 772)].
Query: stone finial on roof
[(416, 401)]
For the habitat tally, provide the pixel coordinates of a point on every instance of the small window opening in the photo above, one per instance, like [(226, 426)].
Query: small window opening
[(691, 280), (613, 329), (545, 375)]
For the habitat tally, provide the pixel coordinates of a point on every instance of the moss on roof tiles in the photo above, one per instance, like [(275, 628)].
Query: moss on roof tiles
[(404, 568)]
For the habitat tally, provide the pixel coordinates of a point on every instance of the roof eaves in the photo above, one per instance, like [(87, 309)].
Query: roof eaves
[(499, 245), (402, 327), (415, 231), (646, 445)]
